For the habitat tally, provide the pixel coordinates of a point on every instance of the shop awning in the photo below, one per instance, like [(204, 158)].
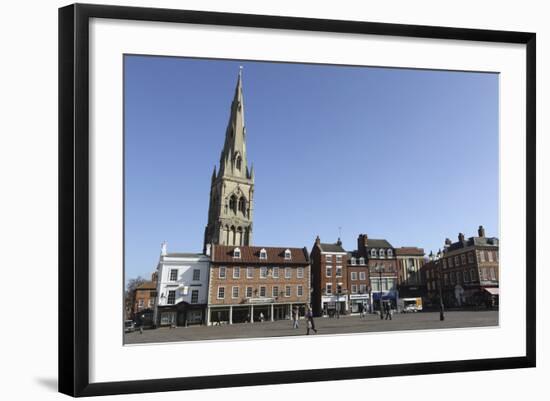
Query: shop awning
[(492, 290)]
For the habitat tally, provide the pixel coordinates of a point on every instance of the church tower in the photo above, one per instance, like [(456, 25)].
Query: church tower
[(232, 186)]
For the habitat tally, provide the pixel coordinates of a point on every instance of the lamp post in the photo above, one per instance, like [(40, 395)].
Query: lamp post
[(379, 269), (441, 307)]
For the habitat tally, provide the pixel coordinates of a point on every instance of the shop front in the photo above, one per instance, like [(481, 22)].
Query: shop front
[(357, 301), (332, 305)]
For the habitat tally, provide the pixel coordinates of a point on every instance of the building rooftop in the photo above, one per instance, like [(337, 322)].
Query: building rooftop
[(409, 251), (251, 254)]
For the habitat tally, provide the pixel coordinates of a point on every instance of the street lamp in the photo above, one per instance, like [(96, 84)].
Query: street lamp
[(441, 307), (379, 269)]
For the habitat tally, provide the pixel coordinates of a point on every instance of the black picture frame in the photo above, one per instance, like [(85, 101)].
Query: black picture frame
[(74, 198)]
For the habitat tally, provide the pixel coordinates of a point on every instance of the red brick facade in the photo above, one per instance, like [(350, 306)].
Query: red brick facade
[(245, 281)]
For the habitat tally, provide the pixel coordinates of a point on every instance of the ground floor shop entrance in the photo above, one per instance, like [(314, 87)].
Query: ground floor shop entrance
[(252, 313)]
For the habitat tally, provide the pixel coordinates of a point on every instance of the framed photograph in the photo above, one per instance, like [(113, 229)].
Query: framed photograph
[(253, 199)]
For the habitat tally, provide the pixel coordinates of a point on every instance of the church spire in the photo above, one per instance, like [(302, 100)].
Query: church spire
[(231, 209), (233, 160)]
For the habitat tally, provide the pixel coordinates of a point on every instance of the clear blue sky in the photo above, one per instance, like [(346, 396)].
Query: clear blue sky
[(406, 155)]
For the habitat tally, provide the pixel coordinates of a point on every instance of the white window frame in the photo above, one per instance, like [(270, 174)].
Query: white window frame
[(260, 291), (263, 254), (275, 272), (300, 272), (288, 254), (220, 287), (339, 268), (482, 256), (353, 261), (236, 253), (381, 253), (288, 272), (263, 272), (362, 261), (328, 258), (275, 291), (338, 258), (354, 288), (327, 286), (327, 270), (362, 275), (224, 275), (249, 272), (177, 274), (251, 292), (463, 258), (288, 291), (233, 291), (390, 253), (198, 271), (353, 276), (373, 253), (194, 292), (236, 272)]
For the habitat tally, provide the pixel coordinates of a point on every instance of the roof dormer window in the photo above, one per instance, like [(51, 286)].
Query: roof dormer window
[(390, 253), (288, 254), (353, 261), (263, 254), (373, 253), (236, 253), (382, 253), (361, 261)]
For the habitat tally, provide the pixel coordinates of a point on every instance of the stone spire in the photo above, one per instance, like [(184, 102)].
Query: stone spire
[(232, 187), (233, 161)]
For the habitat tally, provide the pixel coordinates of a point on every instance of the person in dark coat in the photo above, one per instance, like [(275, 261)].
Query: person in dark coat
[(387, 308), (310, 321)]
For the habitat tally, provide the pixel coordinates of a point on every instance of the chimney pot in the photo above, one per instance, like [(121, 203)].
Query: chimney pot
[(481, 231)]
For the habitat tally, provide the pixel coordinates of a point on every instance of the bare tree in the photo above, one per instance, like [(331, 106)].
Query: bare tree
[(129, 295)]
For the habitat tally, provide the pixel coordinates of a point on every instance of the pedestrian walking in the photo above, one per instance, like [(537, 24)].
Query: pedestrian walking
[(310, 321), (295, 316), (361, 311), (261, 316), (387, 307)]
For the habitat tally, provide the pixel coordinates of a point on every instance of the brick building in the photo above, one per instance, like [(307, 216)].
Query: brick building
[(329, 263), (469, 271), (358, 281), (383, 269), (410, 261), (144, 300), (247, 282)]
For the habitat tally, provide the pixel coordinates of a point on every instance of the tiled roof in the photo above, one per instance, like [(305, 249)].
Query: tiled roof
[(251, 254), (331, 248), (477, 241), (409, 250), (183, 255), (378, 243), (148, 285)]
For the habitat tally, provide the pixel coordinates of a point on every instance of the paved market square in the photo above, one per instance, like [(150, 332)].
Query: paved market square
[(324, 325)]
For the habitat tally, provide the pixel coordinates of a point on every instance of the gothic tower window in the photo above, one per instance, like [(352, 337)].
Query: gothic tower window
[(242, 205), (238, 162), (233, 204)]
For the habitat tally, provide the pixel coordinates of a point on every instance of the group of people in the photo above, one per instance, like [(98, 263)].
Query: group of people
[(310, 323)]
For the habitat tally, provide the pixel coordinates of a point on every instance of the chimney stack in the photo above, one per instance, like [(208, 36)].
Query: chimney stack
[(339, 242), (460, 237), (481, 231), (317, 241)]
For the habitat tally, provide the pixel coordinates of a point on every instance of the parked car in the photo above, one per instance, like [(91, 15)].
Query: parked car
[(129, 326)]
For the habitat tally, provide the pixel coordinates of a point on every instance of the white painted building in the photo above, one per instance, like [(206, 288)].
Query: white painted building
[(182, 288)]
